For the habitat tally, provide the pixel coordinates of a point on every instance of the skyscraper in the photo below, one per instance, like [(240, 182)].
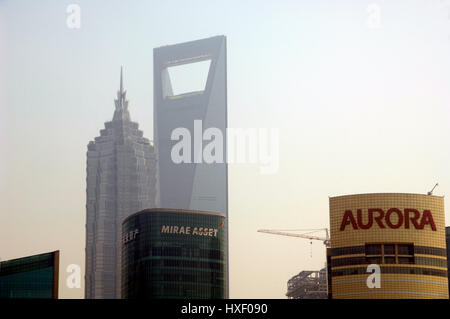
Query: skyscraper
[(121, 180), (194, 184), (174, 253)]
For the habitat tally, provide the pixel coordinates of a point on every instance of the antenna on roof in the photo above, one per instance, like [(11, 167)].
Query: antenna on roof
[(431, 192)]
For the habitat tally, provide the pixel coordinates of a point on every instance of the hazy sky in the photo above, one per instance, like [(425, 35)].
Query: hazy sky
[(361, 101)]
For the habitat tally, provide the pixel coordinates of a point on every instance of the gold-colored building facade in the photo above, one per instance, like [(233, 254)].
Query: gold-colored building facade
[(404, 234)]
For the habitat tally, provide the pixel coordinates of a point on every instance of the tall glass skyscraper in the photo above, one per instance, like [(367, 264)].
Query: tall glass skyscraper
[(194, 184), (121, 180)]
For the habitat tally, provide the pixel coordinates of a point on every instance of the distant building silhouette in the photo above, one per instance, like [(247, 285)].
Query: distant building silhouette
[(121, 180)]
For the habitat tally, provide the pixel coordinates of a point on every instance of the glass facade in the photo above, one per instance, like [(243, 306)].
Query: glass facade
[(30, 277), (168, 253), (192, 186)]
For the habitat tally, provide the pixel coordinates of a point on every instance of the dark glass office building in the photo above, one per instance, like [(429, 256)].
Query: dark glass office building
[(30, 277), (170, 253)]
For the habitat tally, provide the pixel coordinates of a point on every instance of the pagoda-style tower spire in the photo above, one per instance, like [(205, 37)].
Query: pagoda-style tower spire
[(120, 180), (121, 113), (121, 78)]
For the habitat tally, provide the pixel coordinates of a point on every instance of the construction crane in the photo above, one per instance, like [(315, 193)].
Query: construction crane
[(431, 192), (306, 234)]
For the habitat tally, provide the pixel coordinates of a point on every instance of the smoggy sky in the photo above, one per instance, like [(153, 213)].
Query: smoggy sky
[(360, 95)]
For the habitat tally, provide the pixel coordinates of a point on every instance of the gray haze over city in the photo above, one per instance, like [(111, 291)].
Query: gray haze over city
[(358, 91)]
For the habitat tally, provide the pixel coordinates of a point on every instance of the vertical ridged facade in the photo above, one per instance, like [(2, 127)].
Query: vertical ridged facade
[(121, 180)]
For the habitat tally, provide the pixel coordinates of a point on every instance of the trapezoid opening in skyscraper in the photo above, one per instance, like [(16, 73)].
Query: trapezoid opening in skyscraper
[(198, 106)]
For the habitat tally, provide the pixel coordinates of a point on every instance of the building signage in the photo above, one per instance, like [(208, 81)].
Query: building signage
[(392, 218), (130, 236), (188, 230)]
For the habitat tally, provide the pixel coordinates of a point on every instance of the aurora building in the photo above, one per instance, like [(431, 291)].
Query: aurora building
[(121, 175), (403, 234)]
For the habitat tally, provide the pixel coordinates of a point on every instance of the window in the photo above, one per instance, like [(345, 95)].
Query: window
[(157, 251), (405, 249), (406, 260), (430, 251), (373, 249), (389, 249), (373, 260), (353, 250), (390, 253), (389, 260)]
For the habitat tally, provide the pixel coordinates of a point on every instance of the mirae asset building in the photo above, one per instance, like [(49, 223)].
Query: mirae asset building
[(174, 253), (404, 234)]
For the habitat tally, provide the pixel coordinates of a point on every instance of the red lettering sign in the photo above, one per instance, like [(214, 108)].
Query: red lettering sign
[(394, 218)]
